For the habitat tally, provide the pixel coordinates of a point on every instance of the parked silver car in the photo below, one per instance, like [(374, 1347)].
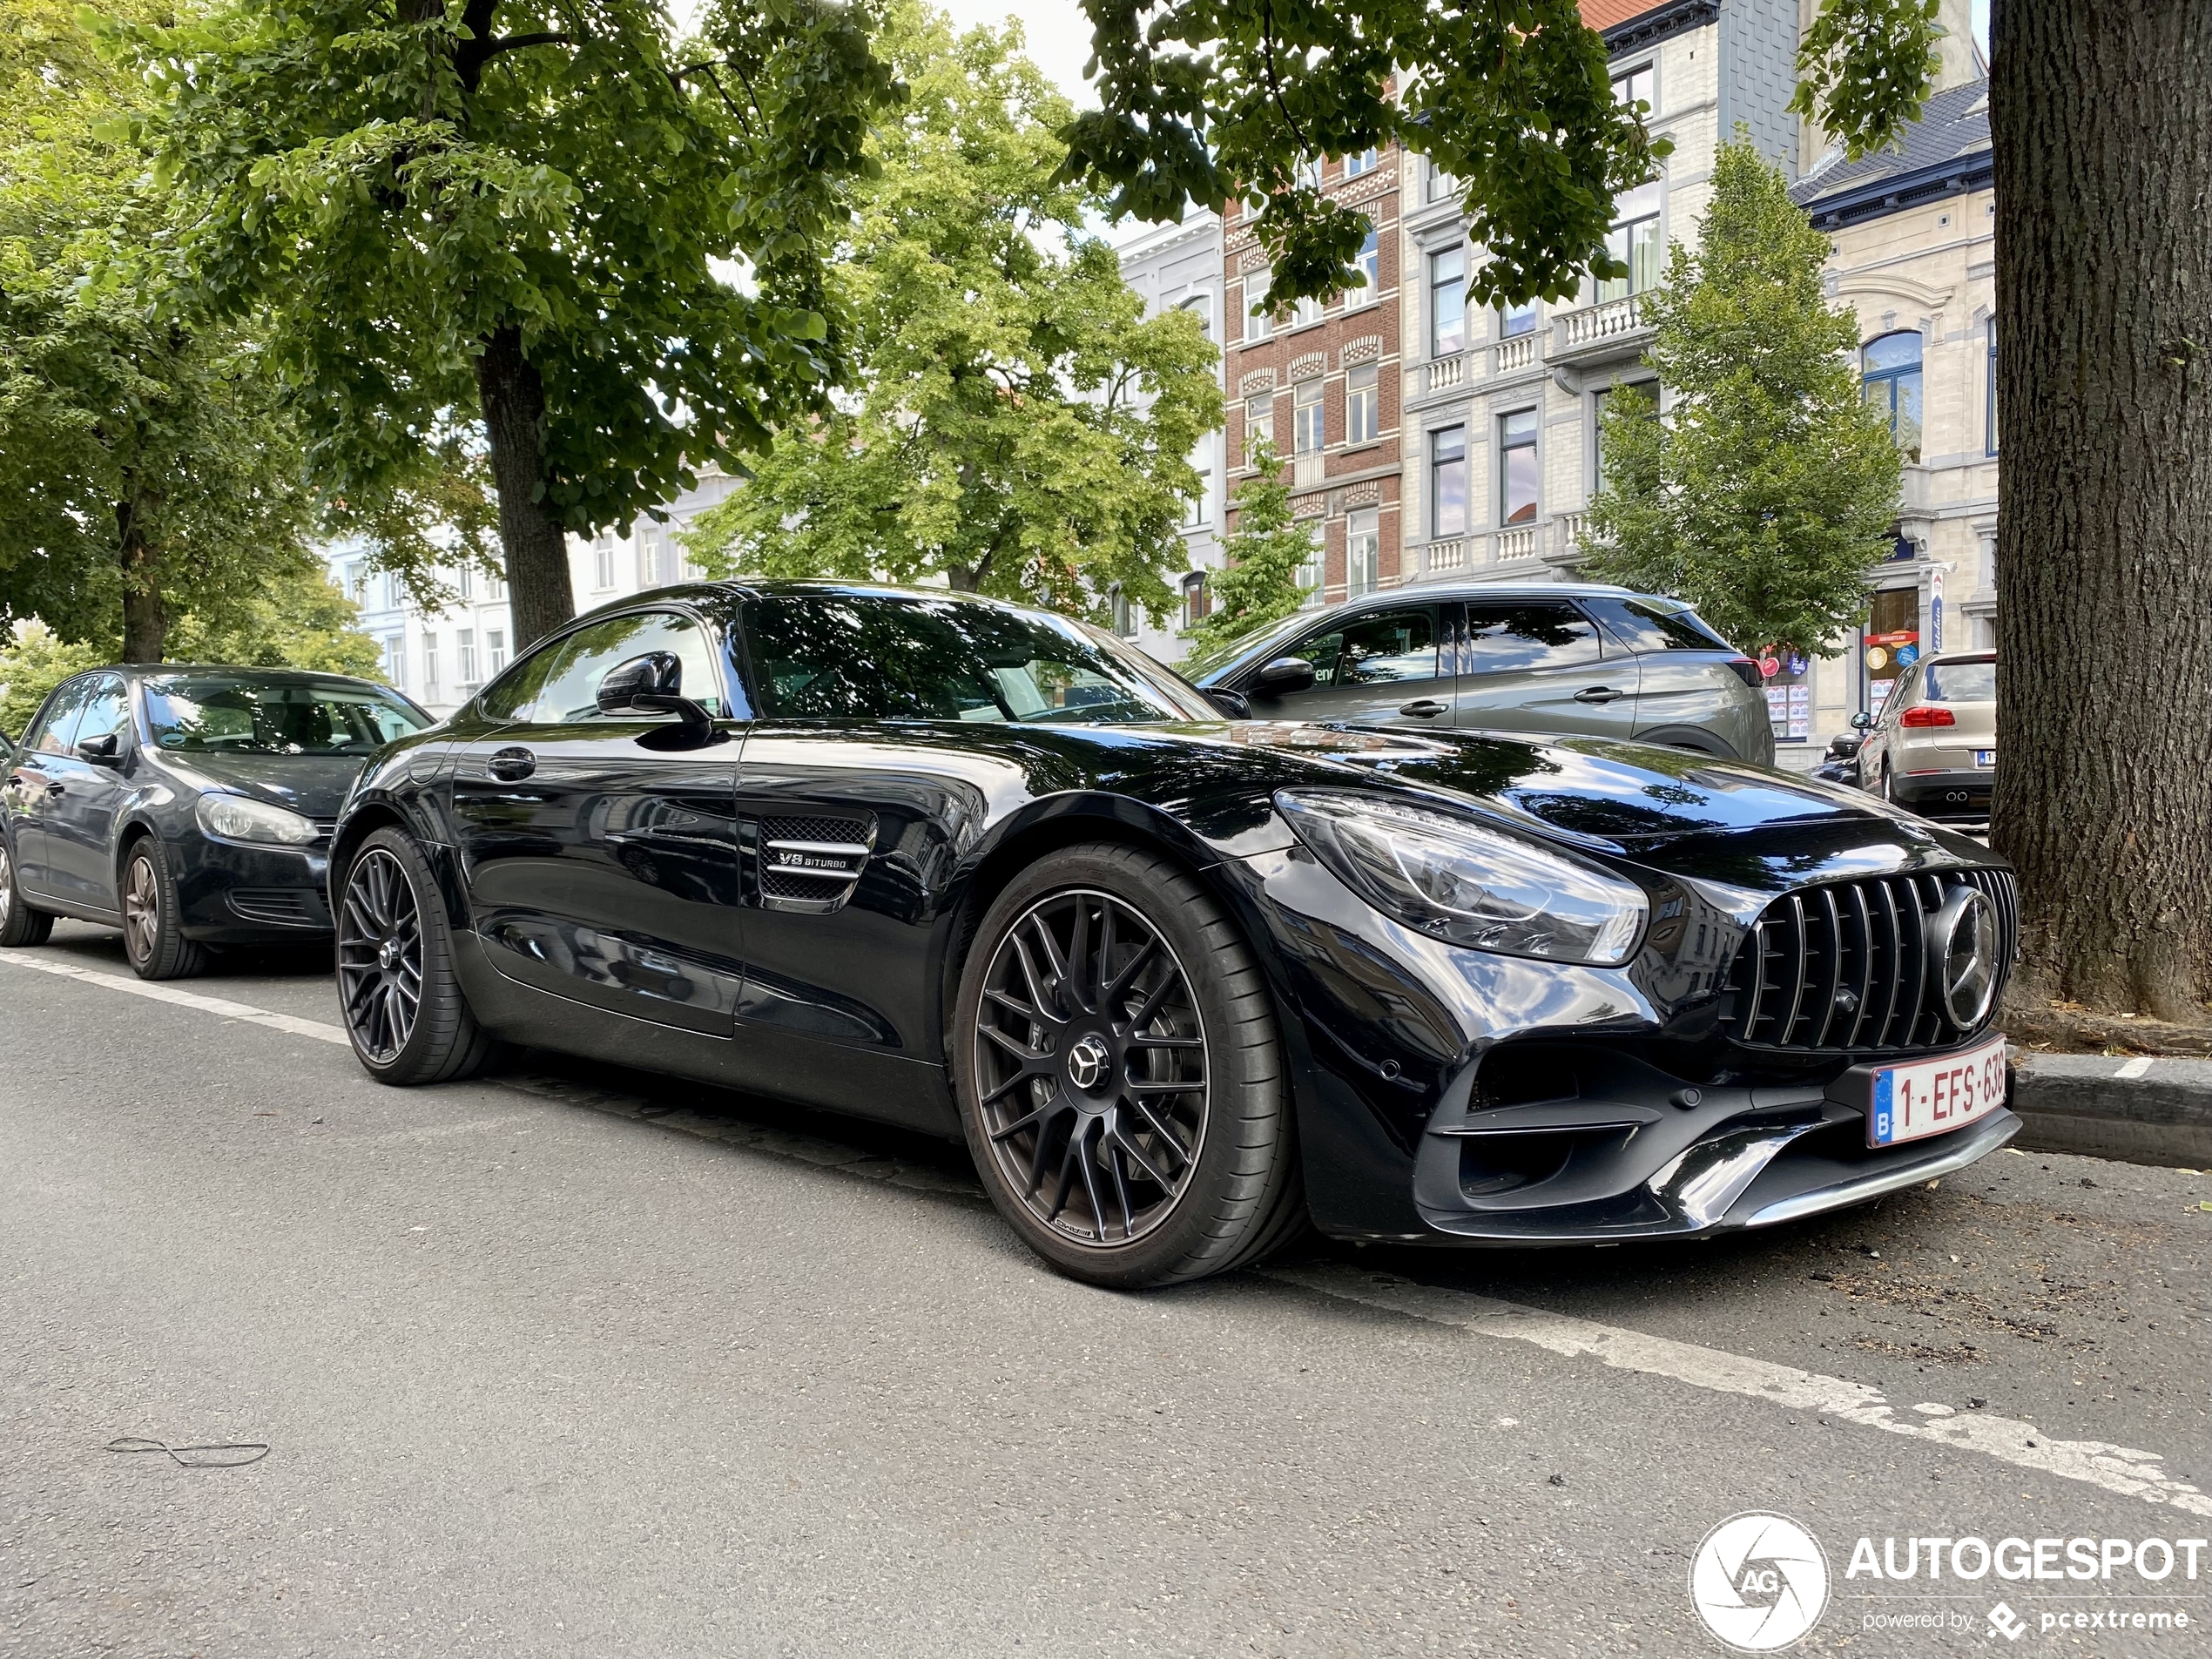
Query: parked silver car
[(1555, 659)]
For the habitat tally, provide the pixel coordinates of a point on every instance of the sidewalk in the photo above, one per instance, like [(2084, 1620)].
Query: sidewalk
[(2141, 1110)]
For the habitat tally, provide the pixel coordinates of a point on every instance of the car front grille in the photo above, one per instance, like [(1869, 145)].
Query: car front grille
[(1844, 969)]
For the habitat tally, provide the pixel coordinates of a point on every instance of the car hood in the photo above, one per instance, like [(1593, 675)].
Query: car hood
[(314, 785)]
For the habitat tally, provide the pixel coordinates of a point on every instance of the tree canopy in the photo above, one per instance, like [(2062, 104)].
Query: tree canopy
[(1265, 552), (1016, 424), (536, 213), (1767, 491)]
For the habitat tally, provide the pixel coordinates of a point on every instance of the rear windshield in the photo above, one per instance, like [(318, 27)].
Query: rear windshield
[(1962, 682), (243, 714)]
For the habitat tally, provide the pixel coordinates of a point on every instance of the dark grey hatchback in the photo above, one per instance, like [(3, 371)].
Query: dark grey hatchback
[(1557, 659), (187, 805)]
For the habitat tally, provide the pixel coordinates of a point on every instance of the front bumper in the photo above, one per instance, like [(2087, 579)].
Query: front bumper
[(232, 893)]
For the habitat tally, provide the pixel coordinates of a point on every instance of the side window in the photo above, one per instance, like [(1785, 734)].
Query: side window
[(56, 734), (571, 691), (1647, 627), (513, 694), (1514, 638), (107, 713), (1385, 648)]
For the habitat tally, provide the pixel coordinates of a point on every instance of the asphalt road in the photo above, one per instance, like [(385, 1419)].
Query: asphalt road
[(576, 1360)]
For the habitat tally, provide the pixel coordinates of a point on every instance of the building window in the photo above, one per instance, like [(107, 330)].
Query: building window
[(464, 580), (495, 649), (1259, 422), (391, 590), (1517, 468), (465, 647), (395, 662), (1647, 391), (1369, 264), (1196, 510), (648, 558), (1437, 184), (495, 584), (1194, 598), (1448, 481), (1260, 322), (1125, 618), (1309, 434), (1364, 162), (1362, 552), (1634, 240), (356, 580), (1892, 383), (1200, 306), (1312, 573), (1636, 86), (1362, 406), (602, 563), (1448, 303), (1309, 172), (1517, 319), (1991, 418), (430, 666), (1305, 313)]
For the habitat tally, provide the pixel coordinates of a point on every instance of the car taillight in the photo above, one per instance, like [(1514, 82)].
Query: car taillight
[(1927, 714), (1746, 670)]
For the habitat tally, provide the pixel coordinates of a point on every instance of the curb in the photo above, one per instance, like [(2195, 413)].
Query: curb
[(2153, 1111)]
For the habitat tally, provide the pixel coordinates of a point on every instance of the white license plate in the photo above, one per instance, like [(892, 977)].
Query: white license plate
[(1935, 1096), (1985, 756)]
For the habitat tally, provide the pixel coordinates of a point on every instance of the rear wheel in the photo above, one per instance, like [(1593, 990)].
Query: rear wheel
[(153, 933), (1120, 1077), (19, 924), (401, 1002)]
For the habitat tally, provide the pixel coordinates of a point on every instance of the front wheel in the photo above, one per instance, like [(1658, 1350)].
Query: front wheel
[(401, 1002), (153, 933), (19, 924), (1120, 1078)]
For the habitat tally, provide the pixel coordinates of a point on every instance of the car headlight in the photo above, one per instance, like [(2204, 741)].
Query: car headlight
[(1467, 884), (237, 818)]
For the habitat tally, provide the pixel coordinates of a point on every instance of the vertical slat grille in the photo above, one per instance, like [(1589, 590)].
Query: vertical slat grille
[(1844, 969)]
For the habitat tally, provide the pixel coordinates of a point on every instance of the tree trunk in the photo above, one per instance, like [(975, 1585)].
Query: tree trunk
[(146, 619), (2101, 120), (539, 596)]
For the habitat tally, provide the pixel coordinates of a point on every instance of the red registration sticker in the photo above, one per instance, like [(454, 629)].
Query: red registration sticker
[(1935, 1096)]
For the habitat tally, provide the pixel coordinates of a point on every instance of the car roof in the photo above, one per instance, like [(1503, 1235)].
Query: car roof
[(162, 670), (791, 587)]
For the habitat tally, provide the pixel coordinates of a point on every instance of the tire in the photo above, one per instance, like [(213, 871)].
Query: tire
[(1888, 790), (1124, 1092), (398, 996), (19, 924), (153, 933)]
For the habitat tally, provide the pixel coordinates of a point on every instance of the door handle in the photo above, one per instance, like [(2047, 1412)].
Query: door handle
[(1598, 694), (1426, 707), (512, 765)]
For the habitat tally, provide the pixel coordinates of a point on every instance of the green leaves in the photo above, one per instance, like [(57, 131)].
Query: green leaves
[(1014, 423), (1260, 582), (1766, 492), (1864, 67)]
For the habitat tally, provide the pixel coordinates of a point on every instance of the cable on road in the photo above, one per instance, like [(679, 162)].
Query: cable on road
[(179, 1454)]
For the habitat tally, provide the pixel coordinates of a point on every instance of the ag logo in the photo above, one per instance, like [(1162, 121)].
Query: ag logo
[(1759, 1581)]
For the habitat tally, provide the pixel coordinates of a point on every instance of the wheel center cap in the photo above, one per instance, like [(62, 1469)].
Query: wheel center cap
[(388, 954), (1087, 1063)]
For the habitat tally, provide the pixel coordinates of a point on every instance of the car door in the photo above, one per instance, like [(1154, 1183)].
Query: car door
[(38, 769), (1540, 665), (84, 798), (600, 849), (1389, 666)]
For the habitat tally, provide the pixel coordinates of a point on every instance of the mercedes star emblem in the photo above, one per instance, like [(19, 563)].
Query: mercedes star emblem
[(1962, 955)]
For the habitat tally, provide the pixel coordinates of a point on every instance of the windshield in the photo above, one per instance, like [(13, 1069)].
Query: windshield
[(886, 657), (1199, 664), (1963, 682), (242, 714)]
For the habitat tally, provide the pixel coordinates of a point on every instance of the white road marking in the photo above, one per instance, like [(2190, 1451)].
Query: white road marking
[(160, 993), (2116, 1468), (2133, 1069)]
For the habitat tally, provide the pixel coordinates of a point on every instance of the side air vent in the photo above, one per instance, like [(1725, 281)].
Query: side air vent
[(813, 863), (278, 906)]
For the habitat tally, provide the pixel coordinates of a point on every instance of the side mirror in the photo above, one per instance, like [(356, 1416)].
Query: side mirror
[(1284, 676), (652, 684), (1862, 723), (103, 751), (1235, 704)]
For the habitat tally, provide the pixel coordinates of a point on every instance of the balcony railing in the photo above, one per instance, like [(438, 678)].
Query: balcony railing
[(1451, 554), (1446, 371), (1594, 325), (1519, 543), (1510, 354), (1306, 469), (1570, 531)]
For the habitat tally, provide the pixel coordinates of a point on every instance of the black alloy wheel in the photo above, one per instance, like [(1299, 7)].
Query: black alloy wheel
[(19, 923), (402, 1004), (154, 936), (1120, 1078)]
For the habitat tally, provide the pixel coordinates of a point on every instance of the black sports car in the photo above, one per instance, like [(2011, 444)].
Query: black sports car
[(187, 805), (1182, 980)]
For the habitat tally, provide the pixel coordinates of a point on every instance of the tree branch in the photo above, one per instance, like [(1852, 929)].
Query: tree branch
[(544, 38)]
